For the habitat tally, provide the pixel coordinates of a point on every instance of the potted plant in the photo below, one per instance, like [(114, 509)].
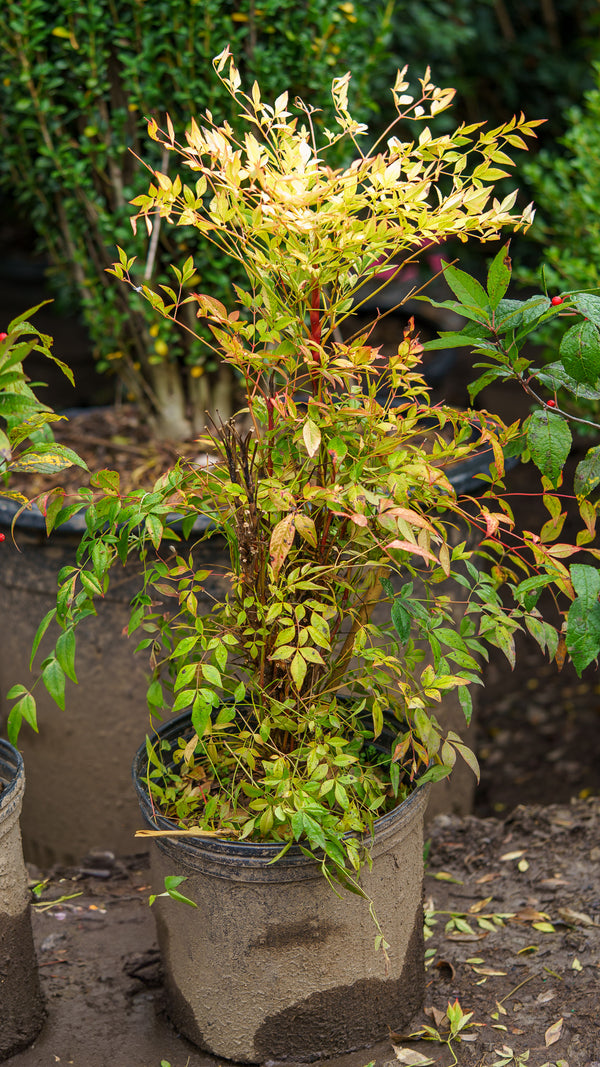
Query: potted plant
[(308, 723)]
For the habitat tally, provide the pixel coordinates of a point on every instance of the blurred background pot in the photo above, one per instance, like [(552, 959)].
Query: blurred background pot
[(79, 794)]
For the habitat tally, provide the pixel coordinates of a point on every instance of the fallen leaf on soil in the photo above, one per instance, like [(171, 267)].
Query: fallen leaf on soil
[(409, 1058), (529, 915), (487, 878), (445, 876), (479, 906), (466, 937), (545, 928), (488, 970), (436, 1014), (513, 855), (576, 918), (576, 965), (553, 1032), (545, 997)]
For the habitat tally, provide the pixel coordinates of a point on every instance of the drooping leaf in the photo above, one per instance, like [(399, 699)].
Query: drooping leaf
[(53, 678), (311, 436), (587, 474), (580, 352), (549, 442), (586, 581), (583, 633), (499, 276), (467, 289), (401, 620)]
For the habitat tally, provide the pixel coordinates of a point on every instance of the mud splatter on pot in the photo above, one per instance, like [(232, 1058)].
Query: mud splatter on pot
[(272, 964), (21, 1006)]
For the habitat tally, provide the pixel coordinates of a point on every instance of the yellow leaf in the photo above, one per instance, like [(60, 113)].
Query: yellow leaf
[(513, 855), (282, 540), (545, 928), (311, 435)]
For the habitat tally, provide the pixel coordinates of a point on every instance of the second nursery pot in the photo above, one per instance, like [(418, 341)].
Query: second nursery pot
[(272, 963), (21, 1005)]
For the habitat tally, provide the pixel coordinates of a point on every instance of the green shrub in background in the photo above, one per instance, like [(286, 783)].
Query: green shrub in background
[(78, 79), (521, 55), (565, 183)]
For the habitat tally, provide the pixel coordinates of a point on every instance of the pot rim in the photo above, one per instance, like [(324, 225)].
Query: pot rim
[(253, 855)]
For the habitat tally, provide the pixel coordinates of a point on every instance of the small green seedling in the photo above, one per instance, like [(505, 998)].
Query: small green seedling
[(171, 883), (455, 1021)]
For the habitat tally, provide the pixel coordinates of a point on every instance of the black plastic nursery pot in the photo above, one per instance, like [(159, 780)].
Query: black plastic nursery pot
[(21, 1006), (79, 764), (272, 963)]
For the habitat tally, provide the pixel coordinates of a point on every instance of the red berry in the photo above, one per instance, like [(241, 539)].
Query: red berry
[(2, 537), (3, 337), (551, 403), (556, 300)]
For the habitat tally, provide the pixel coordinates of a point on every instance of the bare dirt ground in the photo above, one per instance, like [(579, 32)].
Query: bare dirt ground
[(512, 907)]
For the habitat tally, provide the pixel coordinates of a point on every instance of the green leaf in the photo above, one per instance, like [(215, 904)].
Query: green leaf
[(211, 674), (200, 715), (499, 275), (586, 581), (65, 653), (588, 305), (580, 352), (555, 377), (549, 442), (401, 620), (468, 290), (587, 473), (53, 678), (466, 702), (298, 670), (513, 314), (41, 630), (24, 709), (91, 584), (583, 632), (154, 529)]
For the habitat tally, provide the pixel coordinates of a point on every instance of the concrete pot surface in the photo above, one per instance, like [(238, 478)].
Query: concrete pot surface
[(21, 1006), (272, 963)]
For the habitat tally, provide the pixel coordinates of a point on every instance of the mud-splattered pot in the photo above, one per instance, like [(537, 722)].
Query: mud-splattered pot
[(272, 964), (21, 1006)]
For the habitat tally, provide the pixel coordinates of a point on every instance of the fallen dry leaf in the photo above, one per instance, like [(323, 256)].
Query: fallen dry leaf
[(487, 878), (410, 1058), (553, 1032), (529, 915), (488, 970), (466, 937), (513, 855), (576, 918), (479, 906)]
